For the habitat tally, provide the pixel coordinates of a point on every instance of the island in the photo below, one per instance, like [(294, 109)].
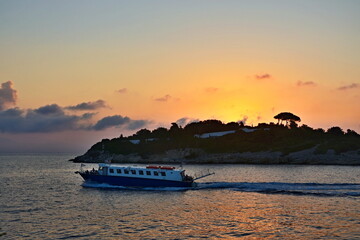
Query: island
[(214, 142)]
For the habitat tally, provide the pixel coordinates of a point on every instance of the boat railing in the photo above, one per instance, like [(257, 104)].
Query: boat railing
[(92, 171), (203, 174)]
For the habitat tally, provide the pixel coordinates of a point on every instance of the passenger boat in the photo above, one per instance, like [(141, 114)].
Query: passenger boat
[(149, 176)]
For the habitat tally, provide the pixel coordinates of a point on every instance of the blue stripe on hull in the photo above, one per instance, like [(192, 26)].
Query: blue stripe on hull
[(133, 182)]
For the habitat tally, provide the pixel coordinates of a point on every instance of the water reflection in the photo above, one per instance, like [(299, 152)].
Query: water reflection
[(47, 201)]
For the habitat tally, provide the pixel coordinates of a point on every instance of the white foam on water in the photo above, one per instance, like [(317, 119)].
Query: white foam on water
[(336, 189), (108, 186)]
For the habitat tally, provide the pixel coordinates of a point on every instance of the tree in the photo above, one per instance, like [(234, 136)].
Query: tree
[(174, 129), (293, 124), (306, 128), (143, 134), (205, 126), (287, 117), (241, 124), (335, 131), (232, 126), (160, 132), (320, 130), (350, 132)]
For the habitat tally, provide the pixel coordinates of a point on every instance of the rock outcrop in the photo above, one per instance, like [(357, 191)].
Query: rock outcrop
[(198, 156)]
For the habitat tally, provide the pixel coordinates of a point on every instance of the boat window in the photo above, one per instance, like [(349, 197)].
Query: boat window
[(156, 173), (141, 172), (148, 173), (163, 174), (133, 171), (118, 170), (111, 170), (126, 171)]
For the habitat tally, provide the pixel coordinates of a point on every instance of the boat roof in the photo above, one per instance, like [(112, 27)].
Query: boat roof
[(152, 167)]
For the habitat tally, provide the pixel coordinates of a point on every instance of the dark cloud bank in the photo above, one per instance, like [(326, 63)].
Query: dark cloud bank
[(53, 118)]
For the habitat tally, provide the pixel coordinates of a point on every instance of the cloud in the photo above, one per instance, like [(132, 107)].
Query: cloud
[(185, 120), (262, 76), (52, 118), (211, 89), (163, 99), (136, 124), (86, 116), (8, 95), (244, 119), (122, 90), (111, 121), (88, 106), (52, 109), (49, 118), (119, 121), (347, 87), (308, 83)]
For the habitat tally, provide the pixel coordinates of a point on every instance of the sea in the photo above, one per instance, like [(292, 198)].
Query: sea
[(42, 198)]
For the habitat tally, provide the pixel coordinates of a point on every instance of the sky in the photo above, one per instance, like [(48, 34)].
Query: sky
[(75, 72)]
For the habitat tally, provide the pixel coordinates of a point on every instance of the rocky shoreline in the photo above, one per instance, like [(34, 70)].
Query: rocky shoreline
[(198, 156)]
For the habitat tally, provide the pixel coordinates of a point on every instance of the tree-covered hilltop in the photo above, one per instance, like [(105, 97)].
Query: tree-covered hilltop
[(216, 137)]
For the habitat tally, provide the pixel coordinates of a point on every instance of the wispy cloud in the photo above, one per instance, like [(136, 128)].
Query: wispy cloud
[(262, 76), (244, 119), (88, 106), (308, 83), (347, 87), (8, 95), (164, 98), (211, 90), (122, 90), (186, 120)]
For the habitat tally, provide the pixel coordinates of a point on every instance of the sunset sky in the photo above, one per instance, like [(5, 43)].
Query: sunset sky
[(74, 72)]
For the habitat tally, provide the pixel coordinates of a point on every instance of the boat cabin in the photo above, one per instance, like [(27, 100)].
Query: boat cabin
[(149, 172)]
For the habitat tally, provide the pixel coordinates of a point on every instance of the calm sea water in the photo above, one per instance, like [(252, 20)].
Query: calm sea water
[(42, 198)]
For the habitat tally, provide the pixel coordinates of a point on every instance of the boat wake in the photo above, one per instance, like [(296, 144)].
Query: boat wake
[(108, 186), (314, 189)]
